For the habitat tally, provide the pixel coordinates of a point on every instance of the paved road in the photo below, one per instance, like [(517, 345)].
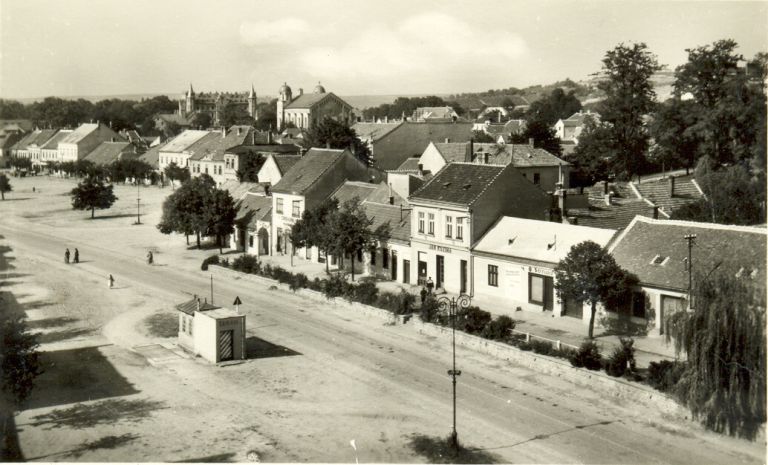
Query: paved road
[(520, 415)]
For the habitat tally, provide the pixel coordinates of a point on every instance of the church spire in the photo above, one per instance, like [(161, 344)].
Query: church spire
[(190, 91), (253, 93)]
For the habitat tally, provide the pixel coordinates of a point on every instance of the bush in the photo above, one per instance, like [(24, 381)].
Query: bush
[(247, 264), (399, 304), (542, 347), (365, 292), (588, 356), (212, 260), (472, 320), (335, 286), (664, 375), (298, 281), (429, 310), (622, 360), (499, 329)]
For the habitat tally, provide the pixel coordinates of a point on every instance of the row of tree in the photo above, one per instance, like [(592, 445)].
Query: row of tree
[(405, 106)]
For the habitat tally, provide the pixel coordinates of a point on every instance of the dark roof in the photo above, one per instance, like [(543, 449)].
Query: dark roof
[(658, 191), (251, 209), (42, 136), (352, 189), (738, 249), (25, 141), (579, 118), (458, 183), (53, 142), (108, 152), (399, 220), (453, 151), (310, 100), (615, 216), (381, 194), (189, 307), (23, 124), (215, 143), (410, 164), (308, 170), (520, 155), (152, 156), (374, 131), (285, 162)]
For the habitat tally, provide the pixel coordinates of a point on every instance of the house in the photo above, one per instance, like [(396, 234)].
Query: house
[(514, 264), (656, 251), (537, 165), (307, 110), (310, 181), (216, 334), (152, 157), (435, 114), (571, 128), (391, 258), (175, 150), (502, 133), (109, 152), (439, 154), (210, 154), (390, 148), (49, 152), (165, 121), (31, 146), (80, 142), (252, 224), (9, 135), (455, 208), (275, 167)]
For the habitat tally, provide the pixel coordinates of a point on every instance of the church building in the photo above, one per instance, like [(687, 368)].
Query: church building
[(307, 110), (213, 103)]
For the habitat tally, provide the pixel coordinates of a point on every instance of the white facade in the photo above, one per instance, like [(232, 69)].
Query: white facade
[(286, 210), (269, 171)]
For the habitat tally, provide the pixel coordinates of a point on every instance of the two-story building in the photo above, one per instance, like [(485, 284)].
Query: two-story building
[(49, 152), (83, 140), (109, 152), (311, 180), (176, 150), (275, 166), (211, 154), (305, 111), (30, 146), (535, 164), (455, 208)]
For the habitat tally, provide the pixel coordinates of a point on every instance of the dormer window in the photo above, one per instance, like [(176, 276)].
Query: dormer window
[(659, 260)]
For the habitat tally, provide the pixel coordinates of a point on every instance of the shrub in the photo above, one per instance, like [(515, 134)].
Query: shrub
[(622, 359), (499, 329), (542, 347), (429, 310), (472, 320), (247, 264), (399, 304), (588, 356), (298, 281), (365, 292), (334, 287), (664, 375), (212, 260)]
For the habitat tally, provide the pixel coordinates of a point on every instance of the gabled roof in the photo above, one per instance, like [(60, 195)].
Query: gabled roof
[(520, 155), (216, 143), (108, 152), (657, 191), (374, 131), (239, 189), (542, 241), (382, 193), (80, 133), (410, 164), (285, 162), (53, 142), (656, 251), (310, 100), (25, 141), (181, 142), (191, 306), (311, 167), (579, 118), (23, 124), (453, 151), (152, 156), (42, 136), (458, 183), (352, 189), (399, 221), (251, 209)]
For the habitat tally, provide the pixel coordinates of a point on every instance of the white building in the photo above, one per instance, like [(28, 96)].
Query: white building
[(83, 140), (214, 333)]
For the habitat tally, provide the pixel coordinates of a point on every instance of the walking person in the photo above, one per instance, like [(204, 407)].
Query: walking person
[(423, 295), (111, 281), (66, 256), (77, 256), (150, 258), (430, 284)]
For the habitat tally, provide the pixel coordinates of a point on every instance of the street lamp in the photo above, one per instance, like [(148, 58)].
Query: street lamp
[(451, 305), (138, 200)]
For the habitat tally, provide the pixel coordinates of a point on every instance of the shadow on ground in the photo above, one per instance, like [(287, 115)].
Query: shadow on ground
[(76, 375), (107, 442), (117, 215), (256, 348), (50, 322), (162, 325), (105, 412), (219, 458), (439, 450), (63, 335)]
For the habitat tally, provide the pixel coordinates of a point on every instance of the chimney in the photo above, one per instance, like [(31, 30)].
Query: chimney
[(655, 212), (562, 197), (421, 169), (239, 131), (605, 187), (671, 186), (266, 189), (198, 304), (608, 198), (447, 140), (560, 174), (301, 91), (530, 141), (223, 132)]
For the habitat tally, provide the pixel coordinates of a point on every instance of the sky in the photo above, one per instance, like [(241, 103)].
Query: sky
[(405, 47)]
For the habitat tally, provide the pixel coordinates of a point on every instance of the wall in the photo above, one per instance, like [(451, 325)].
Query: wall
[(284, 220), (411, 139), (269, 171), (237, 325), (88, 143), (549, 176), (205, 336), (347, 168), (432, 160), (185, 339)]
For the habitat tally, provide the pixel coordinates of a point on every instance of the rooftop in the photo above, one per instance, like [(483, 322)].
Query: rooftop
[(181, 142), (189, 307), (53, 142), (398, 221), (453, 151), (81, 132), (352, 189), (458, 183), (374, 131), (307, 170), (216, 143), (285, 162), (410, 164), (251, 209), (108, 152), (520, 155)]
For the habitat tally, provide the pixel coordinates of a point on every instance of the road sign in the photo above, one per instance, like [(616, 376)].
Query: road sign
[(237, 301), (454, 372)]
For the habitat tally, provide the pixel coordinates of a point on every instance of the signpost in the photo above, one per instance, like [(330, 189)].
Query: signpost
[(237, 303)]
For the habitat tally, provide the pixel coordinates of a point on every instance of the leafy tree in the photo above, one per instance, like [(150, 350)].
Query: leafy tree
[(593, 155), (675, 144), (5, 185), (337, 135), (557, 105), (171, 129), (351, 230), (629, 96), (482, 137), (267, 113), (186, 211), (175, 172), (315, 228), (724, 338), (249, 166), (20, 163), (589, 274), (543, 136), (91, 194), (201, 120), (12, 109), (220, 212), (233, 114)]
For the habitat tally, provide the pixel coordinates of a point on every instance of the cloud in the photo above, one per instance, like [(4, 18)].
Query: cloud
[(282, 31)]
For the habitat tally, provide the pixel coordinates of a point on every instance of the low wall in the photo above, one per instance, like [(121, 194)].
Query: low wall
[(598, 380)]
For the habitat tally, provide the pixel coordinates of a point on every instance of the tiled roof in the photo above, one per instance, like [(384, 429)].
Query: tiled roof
[(25, 141), (181, 142), (152, 156), (658, 191), (399, 220), (410, 164), (8, 140), (616, 216), (517, 154), (352, 189), (293, 132), (737, 249), (23, 124), (453, 151), (53, 142), (381, 194), (78, 134), (538, 240), (310, 100), (215, 144), (189, 307), (458, 183), (42, 136), (515, 126), (107, 152), (239, 189), (307, 170), (374, 131), (580, 117), (285, 162), (251, 209)]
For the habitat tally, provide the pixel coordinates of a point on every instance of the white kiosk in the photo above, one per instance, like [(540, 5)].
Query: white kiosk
[(217, 334)]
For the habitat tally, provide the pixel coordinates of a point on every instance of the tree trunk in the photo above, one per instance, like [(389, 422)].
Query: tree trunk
[(327, 259), (198, 239), (218, 240), (93, 212), (352, 261), (2, 194), (592, 311), (187, 236)]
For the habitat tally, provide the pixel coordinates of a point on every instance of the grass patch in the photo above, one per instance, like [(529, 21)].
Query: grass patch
[(162, 325)]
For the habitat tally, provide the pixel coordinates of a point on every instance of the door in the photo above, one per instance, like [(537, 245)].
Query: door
[(407, 271), (225, 345), (463, 277), (393, 256), (440, 271), (548, 293), (422, 269), (241, 238)]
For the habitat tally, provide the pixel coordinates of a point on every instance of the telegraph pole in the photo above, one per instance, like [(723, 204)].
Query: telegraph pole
[(138, 198), (211, 289), (691, 238)]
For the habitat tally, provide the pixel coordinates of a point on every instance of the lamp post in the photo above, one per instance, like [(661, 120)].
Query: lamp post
[(451, 305), (138, 200)]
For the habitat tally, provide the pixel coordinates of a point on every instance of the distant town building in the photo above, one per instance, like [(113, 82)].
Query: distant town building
[(109, 152), (307, 110), (275, 167), (435, 114), (571, 128), (83, 140), (214, 103), (210, 154)]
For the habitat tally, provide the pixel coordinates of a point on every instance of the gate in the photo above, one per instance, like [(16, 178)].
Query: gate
[(225, 345)]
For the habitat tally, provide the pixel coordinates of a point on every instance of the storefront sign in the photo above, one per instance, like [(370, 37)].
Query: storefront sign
[(288, 220), (513, 276), (439, 249), (541, 271)]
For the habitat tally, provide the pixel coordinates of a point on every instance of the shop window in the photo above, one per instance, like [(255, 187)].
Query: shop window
[(250, 241), (536, 289), (493, 275), (183, 324)]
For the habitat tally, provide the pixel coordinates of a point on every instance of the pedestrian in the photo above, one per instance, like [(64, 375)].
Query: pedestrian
[(111, 281), (66, 256), (77, 256), (423, 295), (33, 189), (430, 284), (150, 258)]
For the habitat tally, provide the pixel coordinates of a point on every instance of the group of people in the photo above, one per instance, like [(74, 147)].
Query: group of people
[(75, 259), (429, 285)]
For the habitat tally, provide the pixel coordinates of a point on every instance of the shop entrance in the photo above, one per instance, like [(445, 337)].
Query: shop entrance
[(440, 271)]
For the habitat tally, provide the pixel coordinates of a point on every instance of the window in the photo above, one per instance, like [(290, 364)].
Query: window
[(385, 258), (493, 275), (536, 178), (448, 226), (638, 304), (183, 324), (373, 256), (279, 205), (250, 240), (421, 222), (536, 289), (296, 208), (431, 230), (191, 320), (459, 228)]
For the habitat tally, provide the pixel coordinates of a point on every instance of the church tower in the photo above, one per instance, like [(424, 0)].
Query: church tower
[(283, 99), (252, 104), (190, 100)]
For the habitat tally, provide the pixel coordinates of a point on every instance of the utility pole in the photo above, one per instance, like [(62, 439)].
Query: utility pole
[(211, 289), (138, 198), (691, 238)]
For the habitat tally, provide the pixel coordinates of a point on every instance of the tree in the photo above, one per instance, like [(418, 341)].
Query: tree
[(186, 211), (315, 227), (351, 230), (201, 120), (675, 143), (593, 155), (220, 213), (724, 338), (629, 96), (12, 109), (175, 172), (543, 136), (249, 166), (267, 113), (337, 135), (233, 114), (91, 194), (482, 137), (557, 105), (5, 185), (589, 274)]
